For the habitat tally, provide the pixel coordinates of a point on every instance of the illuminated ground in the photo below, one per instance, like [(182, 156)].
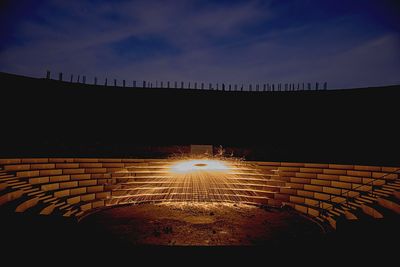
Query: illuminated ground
[(203, 225)]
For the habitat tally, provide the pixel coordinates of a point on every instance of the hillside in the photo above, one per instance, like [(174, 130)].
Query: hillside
[(52, 118)]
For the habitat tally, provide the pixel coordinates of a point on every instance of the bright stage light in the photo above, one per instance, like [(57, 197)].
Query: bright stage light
[(196, 165)]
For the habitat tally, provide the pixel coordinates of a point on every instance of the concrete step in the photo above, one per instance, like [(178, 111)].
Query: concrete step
[(390, 203), (372, 211)]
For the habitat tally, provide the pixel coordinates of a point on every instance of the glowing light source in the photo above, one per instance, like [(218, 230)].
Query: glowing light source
[(188, 166), (194, 180)]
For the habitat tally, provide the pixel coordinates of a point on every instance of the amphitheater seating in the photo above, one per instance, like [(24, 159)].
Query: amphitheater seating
[(74, 187)]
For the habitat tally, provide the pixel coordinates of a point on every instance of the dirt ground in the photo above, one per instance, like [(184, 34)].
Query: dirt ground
[(212, 224)]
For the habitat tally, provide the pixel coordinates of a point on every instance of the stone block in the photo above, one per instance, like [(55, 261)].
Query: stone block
[(80, 176), (62, 193), (316, 165), (300, 180), (313, 212), (96, 188), (367, 168), (73, 171), (288, 169), (35, 160), (43, 166), (103, 195), (86, 207), (69, 184), (288, 191), (301, 208), (78, 191), (90, 165), (321, 182), (359, 173), (87, 182), (60, 160), (341, 184), (331, 177), (50, 187), (386, 176), (98, 204), (331, 190), (350, 179), (59, 178), (39, 180), (88, 197), (9, 161), (95, 170), (74, 200), (86, 160), (341, 166), (305, 193), (27, 174), (67, 165), (315, 188), (311, 170), (322, 196), (306, 175), (295, 185), (292, 164), (335, 171), (296, 199), (50, 172), (18, 167), (311, 202)]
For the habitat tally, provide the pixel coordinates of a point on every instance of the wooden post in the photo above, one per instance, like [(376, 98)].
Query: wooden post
[(60, 76), (48, 74), (95, 80), (72, 77)]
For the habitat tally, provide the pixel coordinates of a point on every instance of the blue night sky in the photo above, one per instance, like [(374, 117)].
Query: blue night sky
[(346, 43)]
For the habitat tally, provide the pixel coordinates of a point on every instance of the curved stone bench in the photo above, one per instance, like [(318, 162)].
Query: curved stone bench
[(74, 187)]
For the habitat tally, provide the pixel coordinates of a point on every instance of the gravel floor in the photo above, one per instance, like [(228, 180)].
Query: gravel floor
[(200, 224)]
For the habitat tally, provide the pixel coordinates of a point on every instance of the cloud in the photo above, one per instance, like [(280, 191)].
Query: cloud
[(237, 42)]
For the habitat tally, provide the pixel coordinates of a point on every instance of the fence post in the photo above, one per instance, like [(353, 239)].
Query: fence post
[(72, 77), (78, 78), (123, 83), (168, 84), (48, 74), (195, 85), (105, 83), (134, 84), (181, 85), (60, 76), (316, 86), (325, 85), (202, 86), (95, 80), (115, 82), (84, 79), (144, 84)]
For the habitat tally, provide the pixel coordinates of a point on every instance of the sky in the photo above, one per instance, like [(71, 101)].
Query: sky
[(345, 43)]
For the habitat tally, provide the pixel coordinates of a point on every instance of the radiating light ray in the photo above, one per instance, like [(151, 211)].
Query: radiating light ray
[(193, 180)]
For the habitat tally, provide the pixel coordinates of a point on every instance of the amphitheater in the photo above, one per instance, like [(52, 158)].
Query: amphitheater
[(75, 187), (340, 173)]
